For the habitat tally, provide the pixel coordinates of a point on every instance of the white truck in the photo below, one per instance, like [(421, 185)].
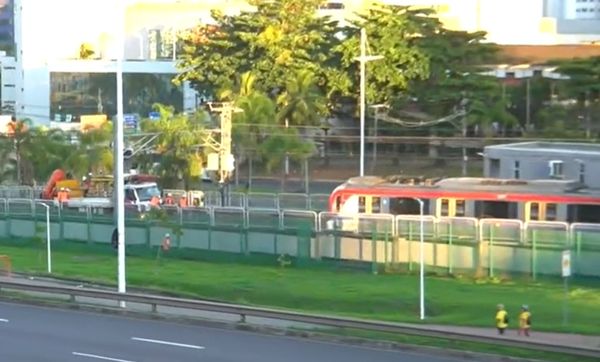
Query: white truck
[(136, 195)]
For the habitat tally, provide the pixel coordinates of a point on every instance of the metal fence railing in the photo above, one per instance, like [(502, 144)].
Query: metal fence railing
[(261, 200), (552, 234), (451, 242)]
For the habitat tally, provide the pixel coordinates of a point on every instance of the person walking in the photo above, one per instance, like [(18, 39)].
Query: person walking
[(501, 319), (524, 321)]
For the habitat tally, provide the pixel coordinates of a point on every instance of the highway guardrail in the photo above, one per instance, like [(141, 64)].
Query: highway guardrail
[(322, 320)]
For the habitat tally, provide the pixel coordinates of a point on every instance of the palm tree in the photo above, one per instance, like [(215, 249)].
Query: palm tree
[(180, 146), (302, 104), (252, 126)]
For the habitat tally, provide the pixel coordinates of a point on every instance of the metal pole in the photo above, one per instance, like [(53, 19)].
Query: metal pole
[(48, 245), (119, 181), (421, 261), (375, 141), (465, 157), (566, 302), (363, 63), (363, 59), (528, 100)]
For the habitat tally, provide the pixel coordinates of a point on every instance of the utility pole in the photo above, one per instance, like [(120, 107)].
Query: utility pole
[(119, 182), (363, 59), (225, 158), (465, 157)]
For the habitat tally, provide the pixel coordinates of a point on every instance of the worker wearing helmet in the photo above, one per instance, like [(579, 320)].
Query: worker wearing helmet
[(169, 199), (524, 321), (501, 319), (183, 201)]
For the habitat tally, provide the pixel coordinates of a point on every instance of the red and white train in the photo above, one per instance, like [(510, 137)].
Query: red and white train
[(542, 200)]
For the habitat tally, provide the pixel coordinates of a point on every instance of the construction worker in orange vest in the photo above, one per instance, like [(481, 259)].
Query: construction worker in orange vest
[(154, 201), (62, 195), (169, 199), (183, 201)]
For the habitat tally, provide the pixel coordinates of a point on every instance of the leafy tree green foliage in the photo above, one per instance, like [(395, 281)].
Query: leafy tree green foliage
[(391, 31), (584, 82), (257, 119), (38, 151), (256, 129), (279, 38), (583, 87), (455, 64), (284, 142), (457, 61), (302, 103), (179, 144)]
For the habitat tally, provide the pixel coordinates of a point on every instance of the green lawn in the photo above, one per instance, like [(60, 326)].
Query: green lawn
[(460, 301)]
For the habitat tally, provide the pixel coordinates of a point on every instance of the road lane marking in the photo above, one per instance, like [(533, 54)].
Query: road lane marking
[(4, 320), (99, 357), (167, 343)]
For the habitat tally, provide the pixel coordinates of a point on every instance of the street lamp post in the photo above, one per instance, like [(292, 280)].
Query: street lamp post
[(421, 260), (363, 59), (118, 152), (48, 246)]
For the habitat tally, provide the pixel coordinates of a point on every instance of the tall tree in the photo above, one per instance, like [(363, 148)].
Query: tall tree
[(390, 31), (180, 144), (302, 102), (279, 38), (583, 85)]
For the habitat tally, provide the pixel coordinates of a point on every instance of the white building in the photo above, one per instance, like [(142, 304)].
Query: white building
[(54, 83)]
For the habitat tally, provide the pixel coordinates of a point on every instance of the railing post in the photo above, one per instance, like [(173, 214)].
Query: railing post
[(534, 254), (491, 251), (450, 260), (578, 250), (373, 249), (410, 265)]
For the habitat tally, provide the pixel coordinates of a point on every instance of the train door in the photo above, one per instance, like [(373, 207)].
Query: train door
[(540, 211), (369, 204), (450, 207)]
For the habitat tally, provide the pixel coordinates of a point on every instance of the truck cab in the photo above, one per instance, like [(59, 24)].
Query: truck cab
[(142, 195)]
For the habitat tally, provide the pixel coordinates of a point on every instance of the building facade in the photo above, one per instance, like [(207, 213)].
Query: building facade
[(544, 160)]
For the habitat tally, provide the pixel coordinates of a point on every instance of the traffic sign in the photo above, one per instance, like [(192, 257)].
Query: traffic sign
[(566, 263)]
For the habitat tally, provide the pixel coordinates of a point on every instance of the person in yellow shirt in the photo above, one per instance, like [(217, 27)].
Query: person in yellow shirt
[(524, 321), (501, 319)]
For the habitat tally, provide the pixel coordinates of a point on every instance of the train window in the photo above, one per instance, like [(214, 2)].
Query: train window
[(583, 213), (407, 206), (551, 212), (517, 170), (376, 205), (460, 208), (534, 211), (361, 205), (496, 209), (444, 207)]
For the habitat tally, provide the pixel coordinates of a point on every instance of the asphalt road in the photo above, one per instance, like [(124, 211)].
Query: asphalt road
[(29, 333)]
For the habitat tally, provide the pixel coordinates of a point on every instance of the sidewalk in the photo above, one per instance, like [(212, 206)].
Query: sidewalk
[(545, 337), (577, 340)]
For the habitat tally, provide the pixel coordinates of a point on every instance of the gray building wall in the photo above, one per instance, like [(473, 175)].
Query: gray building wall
[(534, 158), (566, 23)]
